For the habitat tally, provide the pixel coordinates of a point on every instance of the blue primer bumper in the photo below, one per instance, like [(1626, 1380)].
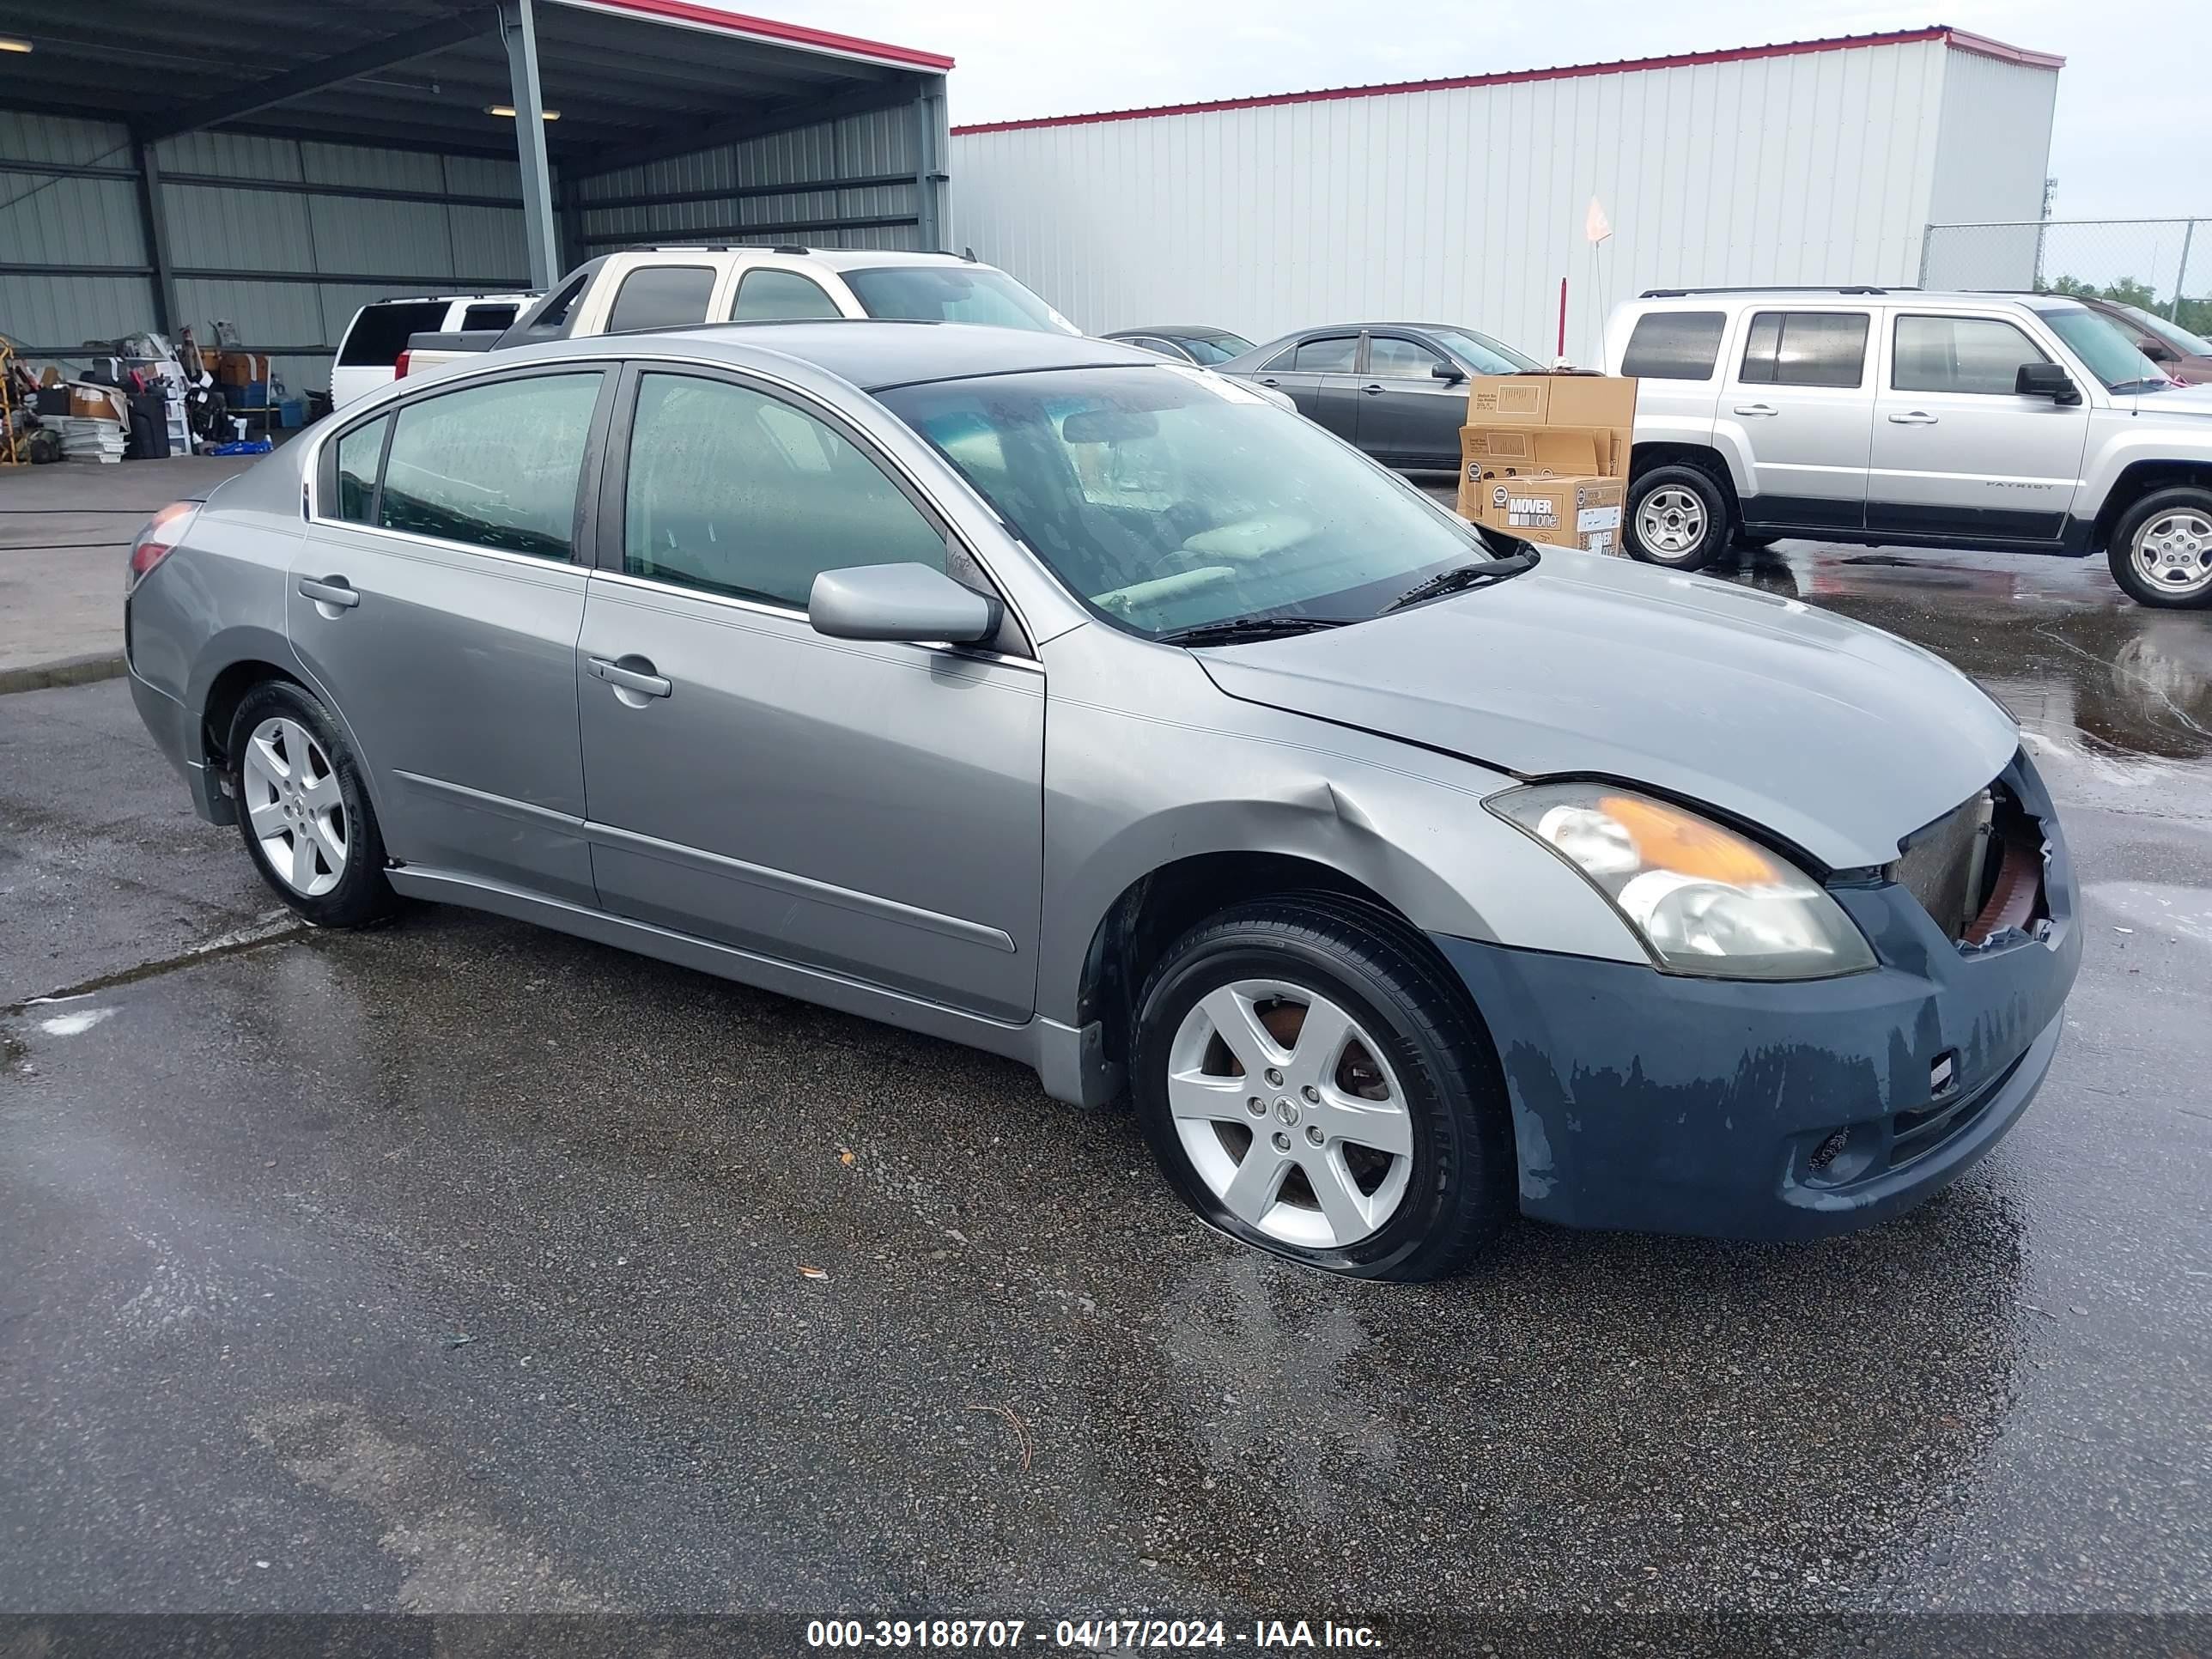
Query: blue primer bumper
[(1665, 1103)]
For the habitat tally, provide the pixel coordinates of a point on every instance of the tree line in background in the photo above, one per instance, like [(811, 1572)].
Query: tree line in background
[(2194, 315)]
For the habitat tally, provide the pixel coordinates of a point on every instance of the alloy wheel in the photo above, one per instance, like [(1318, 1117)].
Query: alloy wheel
[(1671, 521), (2172, 551), (1291, 1114), (293, 803)]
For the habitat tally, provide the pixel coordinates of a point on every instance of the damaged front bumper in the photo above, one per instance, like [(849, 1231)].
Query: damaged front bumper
[(1733, 1109)]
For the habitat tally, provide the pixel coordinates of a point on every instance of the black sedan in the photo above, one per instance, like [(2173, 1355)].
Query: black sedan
[(1186, 343), (1396, 390)]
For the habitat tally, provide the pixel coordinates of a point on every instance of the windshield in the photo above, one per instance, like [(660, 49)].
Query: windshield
[(2102, 344), (954, 294), (1168, 498), (2188, 344), (1213, 348), (1482, 354)]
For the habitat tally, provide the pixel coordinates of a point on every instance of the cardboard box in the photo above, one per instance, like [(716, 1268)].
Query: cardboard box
[(241, 367), (1584, 513), (1606, 401), (1520, 452), (96, 403)]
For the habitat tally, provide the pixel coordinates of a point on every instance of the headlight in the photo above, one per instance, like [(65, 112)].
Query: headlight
[(1704, 899)]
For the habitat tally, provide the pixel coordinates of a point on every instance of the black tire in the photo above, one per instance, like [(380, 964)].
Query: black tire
[(361, 895), (2145, 514), (1719, 518), (1461, 1186)]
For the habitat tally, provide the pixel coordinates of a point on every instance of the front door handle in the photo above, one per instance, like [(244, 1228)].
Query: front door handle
[(642, 681), (1913, 418), (1373, 386), (330, 590), (1757, 408)]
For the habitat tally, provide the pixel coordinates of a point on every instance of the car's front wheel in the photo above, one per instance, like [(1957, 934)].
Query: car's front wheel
[(1312, 1084), (2162, 549), (1678, 517), (303, 810)]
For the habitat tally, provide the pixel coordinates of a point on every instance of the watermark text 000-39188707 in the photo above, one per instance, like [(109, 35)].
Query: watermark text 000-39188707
[(1092, 1635)]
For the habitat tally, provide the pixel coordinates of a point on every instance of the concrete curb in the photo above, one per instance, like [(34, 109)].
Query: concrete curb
[(65, 670)]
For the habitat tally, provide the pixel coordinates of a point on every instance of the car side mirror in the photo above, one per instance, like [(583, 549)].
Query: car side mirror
[(2046, 380), (908, 602), (1449, 374)]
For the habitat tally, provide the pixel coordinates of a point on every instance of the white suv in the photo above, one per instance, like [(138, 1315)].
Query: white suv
[(377, 338), (1894, 417)]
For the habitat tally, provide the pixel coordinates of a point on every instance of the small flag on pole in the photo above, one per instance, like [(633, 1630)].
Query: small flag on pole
[(1596, 227)]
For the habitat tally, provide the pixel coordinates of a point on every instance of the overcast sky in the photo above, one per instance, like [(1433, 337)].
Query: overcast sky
[(2134, 134)]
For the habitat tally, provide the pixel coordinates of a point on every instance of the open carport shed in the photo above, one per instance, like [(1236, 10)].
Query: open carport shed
[(277, 163)]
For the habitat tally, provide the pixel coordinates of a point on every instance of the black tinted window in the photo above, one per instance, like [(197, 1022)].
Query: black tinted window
[(736, 493), (359, 451), (379, 332), (1960, 354), (1389, 358), (661, 297), (1330, 356), (1674, 345), (766, 295), (487, 317), (1805, 348), (495, 466)]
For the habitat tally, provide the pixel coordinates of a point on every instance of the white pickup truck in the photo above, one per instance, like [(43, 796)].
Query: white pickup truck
[(375, 341), (642, 288)]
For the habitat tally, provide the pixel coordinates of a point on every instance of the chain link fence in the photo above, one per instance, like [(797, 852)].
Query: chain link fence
[(2163, 265)]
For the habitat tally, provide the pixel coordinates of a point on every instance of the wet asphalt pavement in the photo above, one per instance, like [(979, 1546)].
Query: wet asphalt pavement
[(462, 1267)]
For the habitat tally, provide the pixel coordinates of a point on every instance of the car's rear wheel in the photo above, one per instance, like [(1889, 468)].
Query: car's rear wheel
[(303, 811), (1678, 517), (2162, 549), (1313, 1086)]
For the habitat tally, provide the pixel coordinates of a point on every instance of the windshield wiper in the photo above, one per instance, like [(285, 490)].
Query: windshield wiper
[(2147, 383), (1238, 629), (1462, 577)]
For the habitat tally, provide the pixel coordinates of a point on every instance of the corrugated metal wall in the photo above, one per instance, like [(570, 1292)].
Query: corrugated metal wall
[(1468, 205), (1991, 153), (780, 188)]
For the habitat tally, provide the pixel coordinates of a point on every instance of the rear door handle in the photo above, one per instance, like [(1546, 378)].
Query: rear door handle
[(643, 681), (1269, 379), (1913, 418), (1757, 408), (331, 590)]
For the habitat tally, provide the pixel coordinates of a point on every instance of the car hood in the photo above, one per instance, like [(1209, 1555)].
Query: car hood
[(1834, 736)]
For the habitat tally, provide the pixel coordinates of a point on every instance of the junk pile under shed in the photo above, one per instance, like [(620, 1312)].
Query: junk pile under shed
[(141, 398)]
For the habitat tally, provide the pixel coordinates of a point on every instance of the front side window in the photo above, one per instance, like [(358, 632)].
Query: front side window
[(1805, 348), (1168, 498), (768, 294), (953, 294), (493, 465), (359, 451), (661, 297), (1330, 356), (1960, 354), (1389, 358), (1674, 345), (487, 317), (733, 492)]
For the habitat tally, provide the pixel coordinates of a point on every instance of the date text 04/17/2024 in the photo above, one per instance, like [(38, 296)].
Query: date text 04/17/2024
[(1094, 1635)]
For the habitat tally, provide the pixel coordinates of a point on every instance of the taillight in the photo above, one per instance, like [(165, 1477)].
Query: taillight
[(162, 533), (399, 366)]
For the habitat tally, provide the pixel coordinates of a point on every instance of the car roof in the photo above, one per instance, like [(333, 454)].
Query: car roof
[(1677, 299), (830, 258), (1174, 331)]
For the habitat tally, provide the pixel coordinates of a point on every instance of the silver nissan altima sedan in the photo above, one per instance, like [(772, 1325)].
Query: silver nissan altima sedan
[(1036, 693)]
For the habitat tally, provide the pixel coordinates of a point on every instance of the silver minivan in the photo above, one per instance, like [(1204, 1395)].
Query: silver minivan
[(1038, 694)]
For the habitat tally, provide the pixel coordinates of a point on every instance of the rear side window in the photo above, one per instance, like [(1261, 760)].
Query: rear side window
[(359, 451), (765, 295), (1674, 345), (1960, 354), (661, 297), (733, 492), (1331, 357), (493, 466), (487, 317), (1805, 348), (379, 332)]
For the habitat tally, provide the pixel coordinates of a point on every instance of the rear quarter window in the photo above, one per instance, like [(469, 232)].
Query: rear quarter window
[(661, 297), (1674, 345)]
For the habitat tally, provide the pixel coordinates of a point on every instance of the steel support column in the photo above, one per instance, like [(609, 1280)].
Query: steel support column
[(929, 224), (518, 27), (154, 224)]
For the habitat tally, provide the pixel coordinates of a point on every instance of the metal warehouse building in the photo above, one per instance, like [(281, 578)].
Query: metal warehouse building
[(277, 165), (1466, 200)]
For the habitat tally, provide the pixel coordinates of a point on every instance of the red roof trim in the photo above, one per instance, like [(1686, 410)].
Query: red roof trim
[(767, 28), (1978, 45)]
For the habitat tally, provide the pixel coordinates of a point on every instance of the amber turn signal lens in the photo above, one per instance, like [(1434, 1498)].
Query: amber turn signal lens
[(1667, 839)]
